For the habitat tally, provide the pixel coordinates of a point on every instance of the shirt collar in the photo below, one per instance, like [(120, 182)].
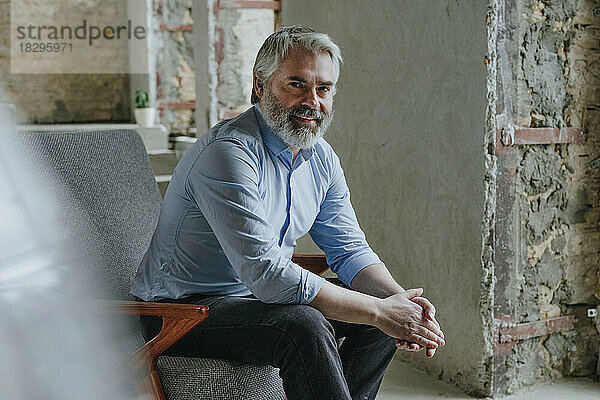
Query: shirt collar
[(274, 142)]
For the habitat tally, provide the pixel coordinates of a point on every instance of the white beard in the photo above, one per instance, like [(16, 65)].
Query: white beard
[(280, 120)]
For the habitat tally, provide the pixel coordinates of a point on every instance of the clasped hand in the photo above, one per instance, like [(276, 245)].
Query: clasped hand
[(410, 318)]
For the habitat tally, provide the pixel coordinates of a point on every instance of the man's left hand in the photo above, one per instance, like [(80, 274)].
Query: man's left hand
[(429, 311)]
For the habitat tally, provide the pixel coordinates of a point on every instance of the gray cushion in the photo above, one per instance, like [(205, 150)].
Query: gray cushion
[(211, 379), (109, 182)]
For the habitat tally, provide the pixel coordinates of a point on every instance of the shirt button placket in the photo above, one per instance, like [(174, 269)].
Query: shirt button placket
[(287, 157), (288, 207)]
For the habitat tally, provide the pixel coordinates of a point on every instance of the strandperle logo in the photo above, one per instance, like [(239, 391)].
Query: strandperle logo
[(84, 31), (80, 36)]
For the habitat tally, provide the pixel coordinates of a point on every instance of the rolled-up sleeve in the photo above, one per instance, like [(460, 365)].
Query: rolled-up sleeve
[(224, 184), (337, 233)]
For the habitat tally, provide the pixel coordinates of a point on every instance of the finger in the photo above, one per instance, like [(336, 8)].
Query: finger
[(428, 332), (437, 324), (433, 327), (427, 306), (430, 353), (429, 311), (410, 293), (402, 345), (415, 347), (422, 341), (425, 336)]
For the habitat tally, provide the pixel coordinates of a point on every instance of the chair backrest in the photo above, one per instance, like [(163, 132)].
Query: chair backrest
[(111, 203)]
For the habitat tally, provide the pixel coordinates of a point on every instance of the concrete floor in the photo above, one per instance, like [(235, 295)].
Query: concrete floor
[(406, 383)]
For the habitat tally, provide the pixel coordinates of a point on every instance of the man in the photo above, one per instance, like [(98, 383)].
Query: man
[(238, 201)]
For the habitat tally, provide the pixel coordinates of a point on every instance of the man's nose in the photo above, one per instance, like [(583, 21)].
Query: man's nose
[(311, 99)]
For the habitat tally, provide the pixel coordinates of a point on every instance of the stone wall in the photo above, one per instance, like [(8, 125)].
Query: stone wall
[(236, 34), (175, 64), (60, 98), (232, 34), (242, 32), (549, 70)]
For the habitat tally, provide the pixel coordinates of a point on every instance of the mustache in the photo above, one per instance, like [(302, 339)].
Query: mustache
[(304, 112)]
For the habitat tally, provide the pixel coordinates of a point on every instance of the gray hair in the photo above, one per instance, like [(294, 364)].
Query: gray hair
[(278, 44)]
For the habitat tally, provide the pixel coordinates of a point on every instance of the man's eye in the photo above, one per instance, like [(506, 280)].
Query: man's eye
[(325, 89), (296, 84)]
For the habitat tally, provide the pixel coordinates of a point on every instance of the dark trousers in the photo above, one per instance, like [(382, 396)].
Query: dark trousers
[(297, 339)]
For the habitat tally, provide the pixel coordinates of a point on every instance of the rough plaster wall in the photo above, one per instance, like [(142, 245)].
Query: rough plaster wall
[(555, 71), (490, 205), (409, 129), (175, 66), (60, 98), (242, 33)]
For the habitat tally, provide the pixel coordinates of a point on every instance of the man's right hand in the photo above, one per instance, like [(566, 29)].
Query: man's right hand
[(404, 319), (402, 315)]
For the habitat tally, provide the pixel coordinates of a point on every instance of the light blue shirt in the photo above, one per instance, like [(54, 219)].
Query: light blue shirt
[(232, 214)]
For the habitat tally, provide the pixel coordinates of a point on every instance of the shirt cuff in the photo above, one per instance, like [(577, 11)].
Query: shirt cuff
[(309, 287), (353, 265)]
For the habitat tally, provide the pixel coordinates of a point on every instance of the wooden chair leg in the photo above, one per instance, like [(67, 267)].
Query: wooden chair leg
[(144, 360), (150, 384)]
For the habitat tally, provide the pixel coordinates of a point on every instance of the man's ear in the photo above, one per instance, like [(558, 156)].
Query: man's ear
[(258, 86)]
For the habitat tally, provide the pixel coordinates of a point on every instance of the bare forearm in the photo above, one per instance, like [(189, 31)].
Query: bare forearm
[(395, 315), (346, 305), (377, 281)]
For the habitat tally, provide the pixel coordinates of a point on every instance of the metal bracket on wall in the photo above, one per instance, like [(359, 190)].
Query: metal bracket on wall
[(509, 137), (517, 332)]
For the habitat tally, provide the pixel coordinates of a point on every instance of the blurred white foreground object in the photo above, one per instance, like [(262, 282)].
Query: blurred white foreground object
[(52, 346)]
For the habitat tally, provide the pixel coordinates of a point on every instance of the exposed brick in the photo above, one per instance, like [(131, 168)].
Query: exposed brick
[(535, 329)]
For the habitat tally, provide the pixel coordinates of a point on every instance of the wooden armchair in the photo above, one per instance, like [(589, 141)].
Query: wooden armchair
[(178, 319), (112, 206)]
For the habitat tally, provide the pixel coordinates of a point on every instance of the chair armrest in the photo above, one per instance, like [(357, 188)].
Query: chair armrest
[(157, 309), (177, 320), (315, 263)]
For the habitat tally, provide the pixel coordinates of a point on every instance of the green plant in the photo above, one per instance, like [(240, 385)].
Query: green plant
[(141, 99)]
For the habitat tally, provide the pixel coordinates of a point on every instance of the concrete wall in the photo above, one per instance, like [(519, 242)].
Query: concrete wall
[(409, 129), (548, 77)]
